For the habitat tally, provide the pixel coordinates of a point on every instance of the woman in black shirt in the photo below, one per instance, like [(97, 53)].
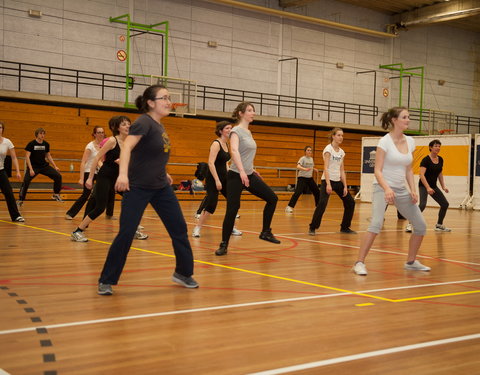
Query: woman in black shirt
[(144, 179), (431, 168), (216, 180)]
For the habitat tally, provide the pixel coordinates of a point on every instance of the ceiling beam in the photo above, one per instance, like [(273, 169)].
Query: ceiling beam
[(301, 18), (293, 3), (442, 12)]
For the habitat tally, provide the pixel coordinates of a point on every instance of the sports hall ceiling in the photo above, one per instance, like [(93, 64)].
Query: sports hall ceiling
[(415, 13)]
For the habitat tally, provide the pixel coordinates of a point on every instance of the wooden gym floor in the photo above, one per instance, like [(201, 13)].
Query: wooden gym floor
[(292, 308)]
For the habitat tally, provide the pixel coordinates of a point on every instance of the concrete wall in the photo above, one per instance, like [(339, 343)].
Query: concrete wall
[(78, 35)]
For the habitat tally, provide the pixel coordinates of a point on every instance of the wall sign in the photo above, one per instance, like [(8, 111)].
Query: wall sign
[(121, 55)]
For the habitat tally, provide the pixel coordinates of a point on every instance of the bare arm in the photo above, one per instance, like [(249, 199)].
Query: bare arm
[(411, 184), (343, 178), (326, 174), (442, 182), (29, 163), (379, 161), (424, 181), (15, 163), (129, 144), (214, 149), (85, 157), (234, 143), (50, 159)]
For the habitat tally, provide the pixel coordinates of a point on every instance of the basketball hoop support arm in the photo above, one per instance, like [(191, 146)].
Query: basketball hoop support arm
[(156, 29)]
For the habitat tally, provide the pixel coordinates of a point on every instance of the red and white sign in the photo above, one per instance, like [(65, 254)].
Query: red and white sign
[(121, 55)]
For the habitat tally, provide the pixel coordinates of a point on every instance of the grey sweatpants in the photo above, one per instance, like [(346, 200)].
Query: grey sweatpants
[(404, 204)]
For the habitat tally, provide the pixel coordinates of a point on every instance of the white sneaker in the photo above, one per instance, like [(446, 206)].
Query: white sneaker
[(238, 216), (409, 228), (140, 236), (78, 237), (416, 266), (19, 219), (442, 228), (360, 269), (236, 232), (196, 216), (57, 197), (68, 217), (288, 210), (196, 232)]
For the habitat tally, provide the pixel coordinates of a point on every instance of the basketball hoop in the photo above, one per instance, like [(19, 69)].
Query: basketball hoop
[(179, 108), (447, 131)]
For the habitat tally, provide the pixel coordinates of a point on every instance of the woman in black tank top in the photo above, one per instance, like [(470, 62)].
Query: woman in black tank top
[(216, 180), (106, 176)]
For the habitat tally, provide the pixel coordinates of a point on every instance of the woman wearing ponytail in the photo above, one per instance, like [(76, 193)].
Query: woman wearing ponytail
[(144, 179), (242, 175), (393, 165)]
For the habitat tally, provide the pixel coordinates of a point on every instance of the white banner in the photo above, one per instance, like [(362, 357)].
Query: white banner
[(455, 152), (476, 174)]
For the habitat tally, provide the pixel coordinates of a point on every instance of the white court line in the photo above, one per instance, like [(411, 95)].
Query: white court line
[(375, 353), (213, 308)]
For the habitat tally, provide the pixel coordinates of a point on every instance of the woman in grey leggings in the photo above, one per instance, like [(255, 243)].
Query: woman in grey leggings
[(393, 165)]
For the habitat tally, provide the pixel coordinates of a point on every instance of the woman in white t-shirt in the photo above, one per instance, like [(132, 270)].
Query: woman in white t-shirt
[(6, 146), (393, 166), (306, 167), (91, 151), (334, 179)]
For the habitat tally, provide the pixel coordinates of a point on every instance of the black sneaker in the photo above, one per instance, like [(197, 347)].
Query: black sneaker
[(347, 231), (187, 282), (223, 249), (268, 236), (104, 289)]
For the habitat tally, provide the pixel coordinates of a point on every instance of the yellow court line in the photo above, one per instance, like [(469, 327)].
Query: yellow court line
[(436, 296), (266, 274)]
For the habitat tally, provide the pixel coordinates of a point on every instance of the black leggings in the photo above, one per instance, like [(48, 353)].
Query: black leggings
[(8, 193), (348, 205), (97, 203), (300, 187), (438, 197), (234, 191), (48, 171), (210, 201)]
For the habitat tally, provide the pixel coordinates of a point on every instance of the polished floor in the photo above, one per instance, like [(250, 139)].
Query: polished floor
[(293, 308)]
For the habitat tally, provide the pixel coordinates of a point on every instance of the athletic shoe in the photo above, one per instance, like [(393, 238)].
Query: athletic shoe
[(442, 228), (416, 266), (360, 269), (78, 237), (111, 217), (311, 232), (57, 197), (409, 228), (187, 282), (347, 231), (222, 249), (104, 289), (268, 236), (197, 216), (236, 232), (196, 232), (288, 210), (140, 236), (238, 216), (140, 227), (19, 203), (19, 219), (68, 217)]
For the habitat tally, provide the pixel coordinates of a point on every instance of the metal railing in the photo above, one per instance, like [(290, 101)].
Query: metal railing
[(210, 98)]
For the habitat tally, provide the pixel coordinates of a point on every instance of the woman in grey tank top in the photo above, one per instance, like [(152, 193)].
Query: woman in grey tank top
[(242, 175)]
